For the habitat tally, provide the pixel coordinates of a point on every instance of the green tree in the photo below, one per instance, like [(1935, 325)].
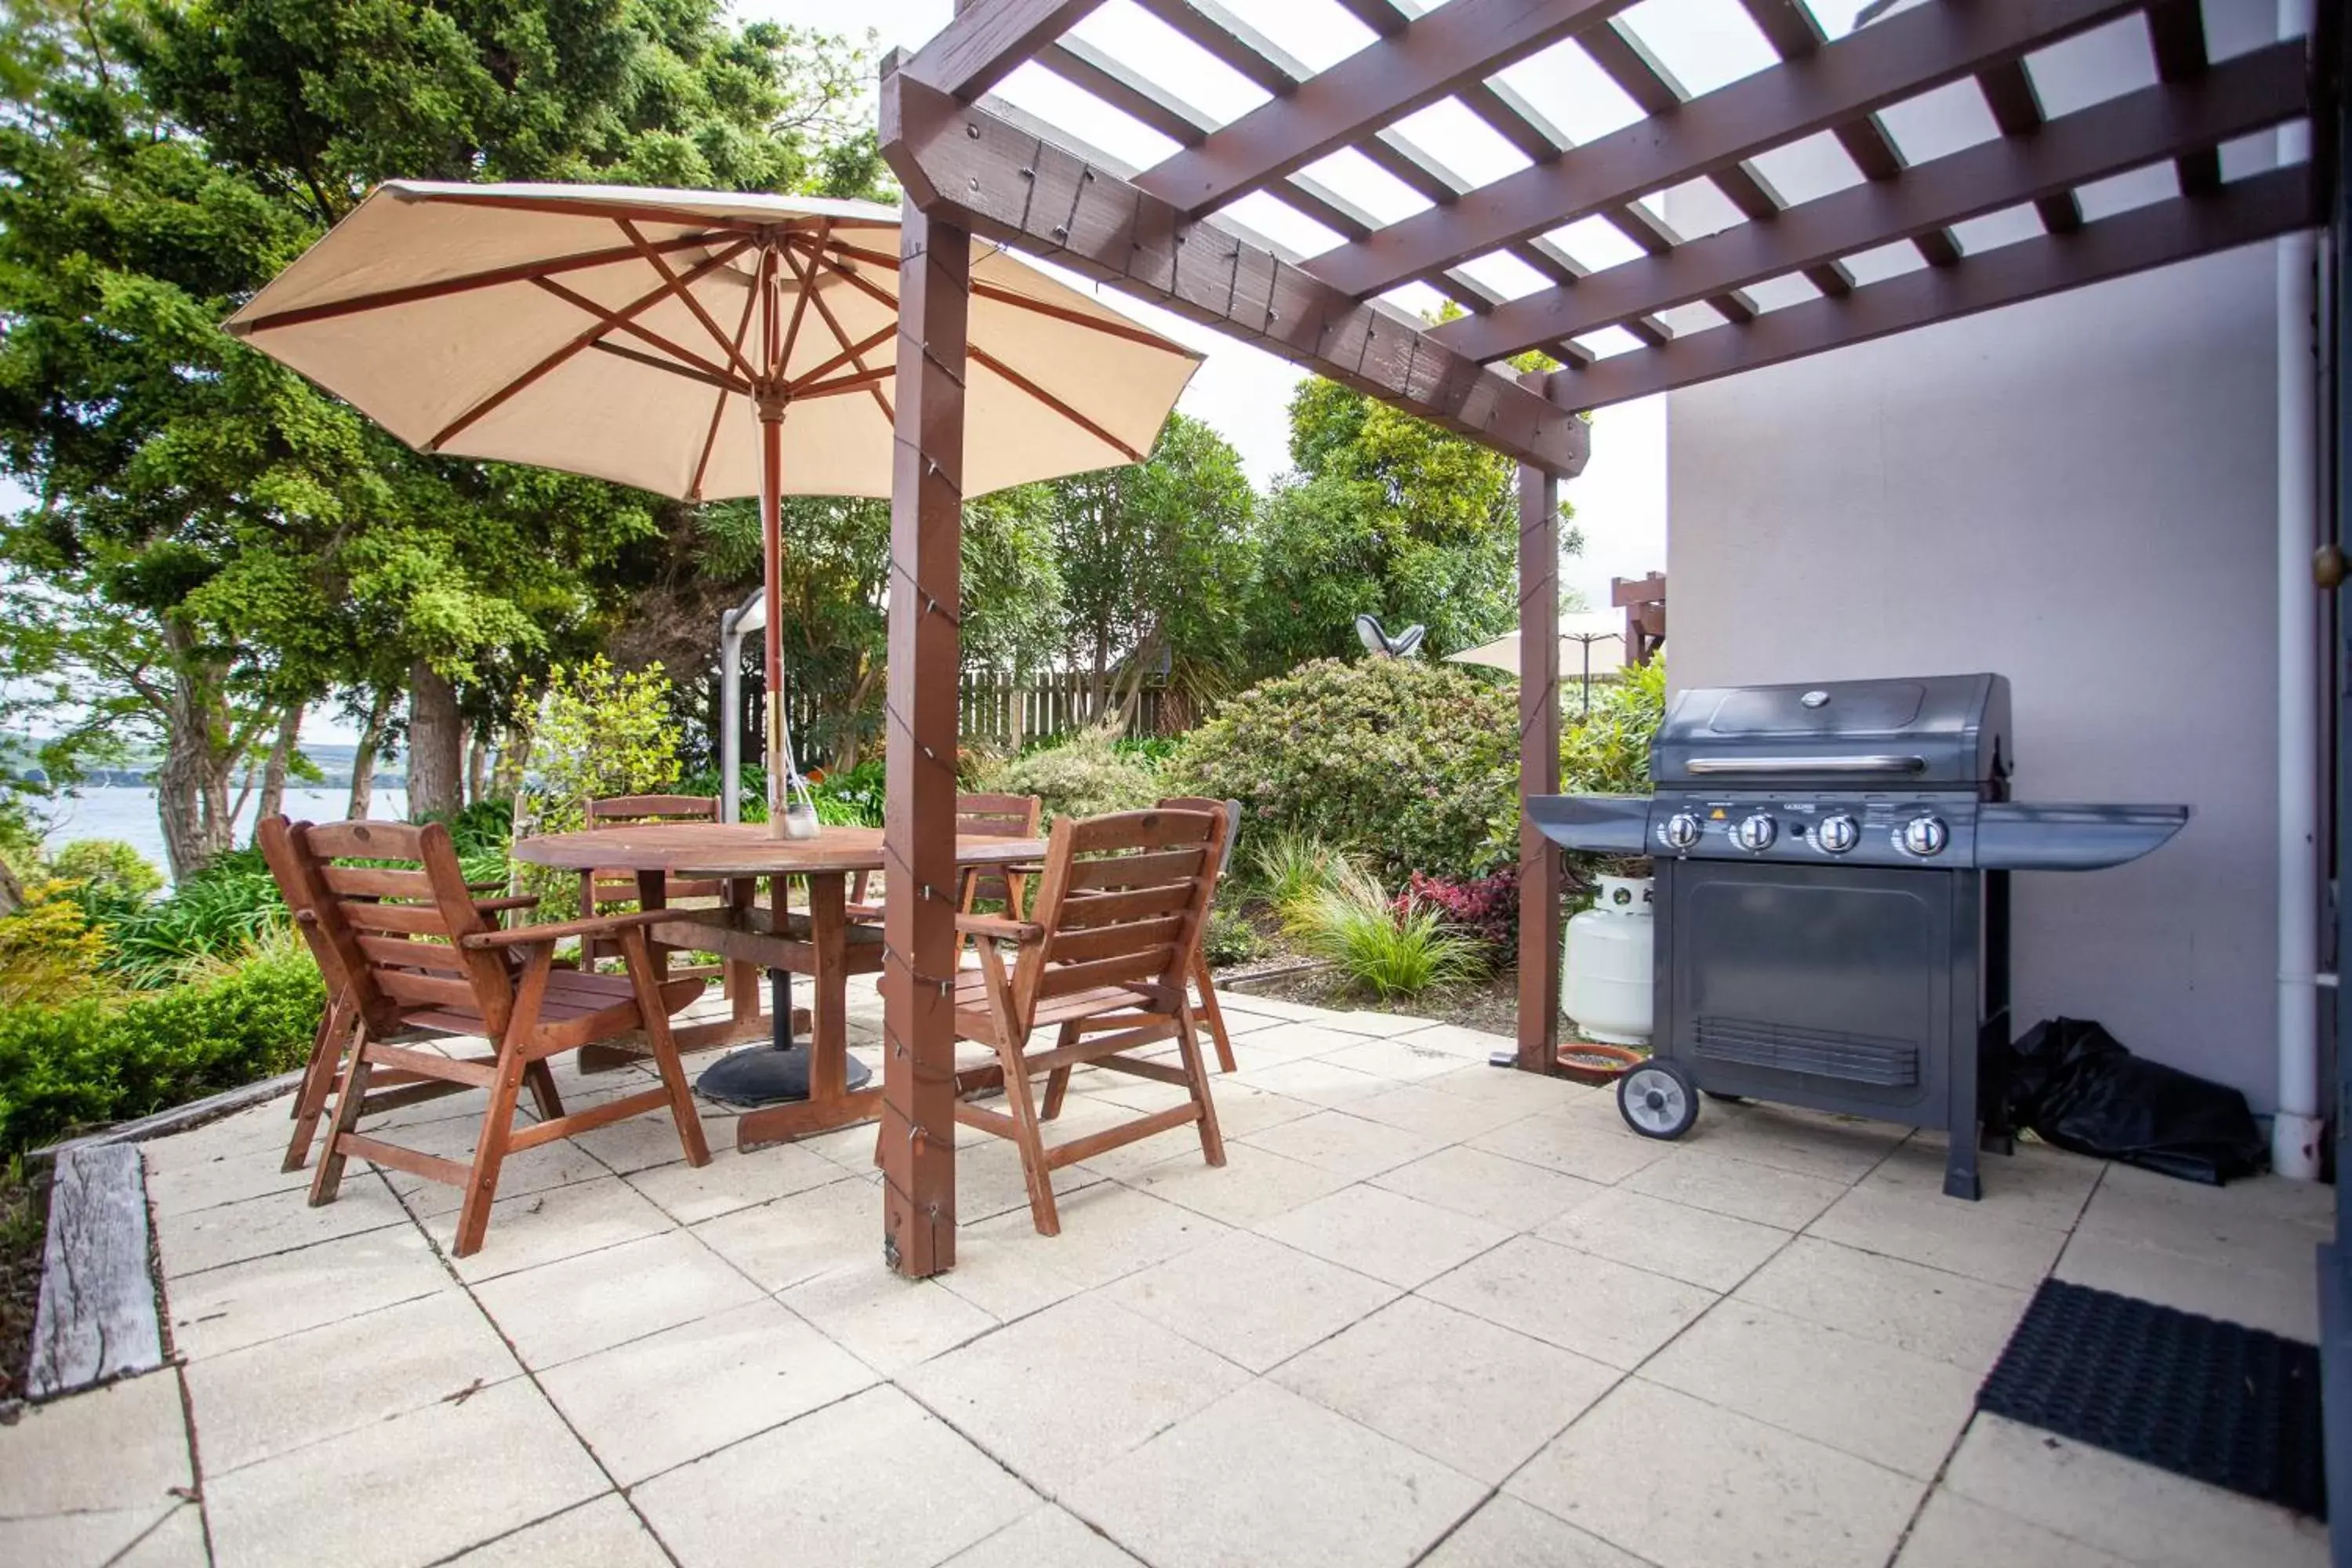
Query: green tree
[(835, 592), (214, 543), (1388, 514), (1157, 561)]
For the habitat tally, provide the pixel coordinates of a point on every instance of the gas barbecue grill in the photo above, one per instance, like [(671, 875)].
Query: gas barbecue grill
[(1831, 898)]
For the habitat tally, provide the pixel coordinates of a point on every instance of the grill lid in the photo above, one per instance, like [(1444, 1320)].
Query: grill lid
[(1943, 730)]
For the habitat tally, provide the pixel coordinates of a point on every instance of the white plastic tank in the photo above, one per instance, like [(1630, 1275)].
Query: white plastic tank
[(1605, 970)]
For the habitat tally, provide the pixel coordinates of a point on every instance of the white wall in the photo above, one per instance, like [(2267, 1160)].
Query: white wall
[(2078, 493)]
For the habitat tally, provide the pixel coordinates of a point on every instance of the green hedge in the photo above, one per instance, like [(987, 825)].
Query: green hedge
[(1410, 766), (95, 1061)]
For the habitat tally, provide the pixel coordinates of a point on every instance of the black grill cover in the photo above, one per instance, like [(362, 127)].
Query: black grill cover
[(1937, 732)]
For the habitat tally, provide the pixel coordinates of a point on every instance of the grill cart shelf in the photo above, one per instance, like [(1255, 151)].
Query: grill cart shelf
[(1833, 867)]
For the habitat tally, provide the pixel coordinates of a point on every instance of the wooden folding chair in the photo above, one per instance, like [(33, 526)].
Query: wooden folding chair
[(605, 888), (978, 816), (1210, 1012), (1119, 907), (339, 1026), (413, 953)]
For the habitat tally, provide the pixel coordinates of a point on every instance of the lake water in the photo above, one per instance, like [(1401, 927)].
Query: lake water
[(124, 812)]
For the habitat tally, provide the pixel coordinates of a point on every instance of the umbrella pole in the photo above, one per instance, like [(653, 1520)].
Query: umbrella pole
[(764, 1075)]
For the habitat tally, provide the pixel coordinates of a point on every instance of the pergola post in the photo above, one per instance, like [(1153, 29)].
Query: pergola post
[(919, 826), (1540, 862)]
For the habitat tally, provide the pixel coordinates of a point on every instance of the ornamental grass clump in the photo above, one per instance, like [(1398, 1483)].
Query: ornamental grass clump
[(1352, 923)]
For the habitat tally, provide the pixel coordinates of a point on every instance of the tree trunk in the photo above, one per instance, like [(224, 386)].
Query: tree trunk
[(363, 757), (436, 745), (477, 766), (191, 785), (273, 774), (514, 756)]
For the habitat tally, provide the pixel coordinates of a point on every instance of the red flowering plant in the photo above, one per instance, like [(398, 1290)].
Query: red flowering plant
[(1486, 908)]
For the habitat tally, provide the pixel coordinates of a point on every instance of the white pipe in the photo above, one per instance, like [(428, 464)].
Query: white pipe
[(2296, 1130), (730, 716)]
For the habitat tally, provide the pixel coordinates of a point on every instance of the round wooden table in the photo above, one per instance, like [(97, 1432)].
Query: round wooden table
[(820, 941)]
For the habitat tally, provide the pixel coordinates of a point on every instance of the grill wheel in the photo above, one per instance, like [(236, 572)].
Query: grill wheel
[(1658, 1099)]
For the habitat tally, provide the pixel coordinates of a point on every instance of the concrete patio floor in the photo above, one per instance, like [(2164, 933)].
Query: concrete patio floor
[(1431, 1313)]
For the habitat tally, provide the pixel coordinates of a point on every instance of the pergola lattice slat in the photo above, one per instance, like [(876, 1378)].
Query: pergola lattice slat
[(2254, 92), (1012, 186), (2181, 230), (1899, 57), (1465, 41)]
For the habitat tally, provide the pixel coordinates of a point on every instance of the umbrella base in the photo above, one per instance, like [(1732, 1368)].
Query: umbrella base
[(764, 1075)]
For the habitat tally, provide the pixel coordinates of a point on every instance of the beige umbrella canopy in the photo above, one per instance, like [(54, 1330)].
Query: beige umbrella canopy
[(702, 345)]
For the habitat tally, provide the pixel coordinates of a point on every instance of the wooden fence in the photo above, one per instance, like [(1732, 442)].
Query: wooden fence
[(1001, 711)]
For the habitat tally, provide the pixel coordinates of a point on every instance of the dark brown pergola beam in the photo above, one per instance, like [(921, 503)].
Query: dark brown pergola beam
[(2016, 108), (1888, 61), (960, 163), (1466, 41), (989, 40), (2238, 97), (2176, 33), (2240, 213)]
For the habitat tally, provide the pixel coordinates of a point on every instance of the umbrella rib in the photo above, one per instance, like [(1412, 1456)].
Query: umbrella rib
[(661, 265), (866, 344), (409, 294), (1050, 401), (724, 382), (872, 291), (686, 355), (718, 408), (880, 374), (1004, 296), (809, 292), (799, 310), (636, 307)]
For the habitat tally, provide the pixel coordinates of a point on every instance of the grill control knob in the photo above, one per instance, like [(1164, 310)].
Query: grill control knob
[(1755, 832), (1837, 834), (1925, 835), (1681, 830)]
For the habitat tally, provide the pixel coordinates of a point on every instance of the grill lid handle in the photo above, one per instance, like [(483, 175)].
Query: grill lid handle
[(1886, 763)]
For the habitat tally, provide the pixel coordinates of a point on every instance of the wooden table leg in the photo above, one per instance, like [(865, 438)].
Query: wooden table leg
[(830, 1104), (742, 982)]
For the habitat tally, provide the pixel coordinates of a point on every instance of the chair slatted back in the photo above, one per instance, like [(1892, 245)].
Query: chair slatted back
[(1121, 903), (609, 885), (996, 816), (1203, 803), (389, 931)]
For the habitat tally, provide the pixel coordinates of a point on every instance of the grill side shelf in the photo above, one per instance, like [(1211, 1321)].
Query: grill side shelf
[(2014, 835), (1596, 824)]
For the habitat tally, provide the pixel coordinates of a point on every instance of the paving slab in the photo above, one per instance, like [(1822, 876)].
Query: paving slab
[(1233, 1484), (1608, 1311), (1250, 1298)]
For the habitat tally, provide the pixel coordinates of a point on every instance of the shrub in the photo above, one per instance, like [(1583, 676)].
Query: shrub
[(107, 869), (1608, 752), (1230, 938), (1353, 924), (222, 909), (1407, 764), (95, 1061), (1287, 865), (599, 733), (1083, 776), (1485, 907), (48, 950)]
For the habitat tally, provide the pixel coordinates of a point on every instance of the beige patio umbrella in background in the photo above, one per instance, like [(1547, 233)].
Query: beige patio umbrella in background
[(700, 344), (1593, 640)]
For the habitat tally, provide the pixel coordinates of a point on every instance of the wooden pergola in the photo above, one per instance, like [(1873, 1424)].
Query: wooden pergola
[(1685, 310)]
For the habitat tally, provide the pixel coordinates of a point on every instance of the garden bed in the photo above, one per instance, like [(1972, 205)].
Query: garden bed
[(1491, 1005)]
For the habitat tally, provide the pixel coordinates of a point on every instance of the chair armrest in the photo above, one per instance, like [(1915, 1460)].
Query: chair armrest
[(998, 926), (485, 887), (500, 906), (564, 931)]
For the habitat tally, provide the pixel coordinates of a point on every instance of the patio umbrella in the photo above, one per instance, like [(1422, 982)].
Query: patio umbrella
[(1597, 638), (701, 344)]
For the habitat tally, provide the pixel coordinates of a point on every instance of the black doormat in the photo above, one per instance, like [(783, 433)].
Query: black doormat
[(2213, 1401)]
